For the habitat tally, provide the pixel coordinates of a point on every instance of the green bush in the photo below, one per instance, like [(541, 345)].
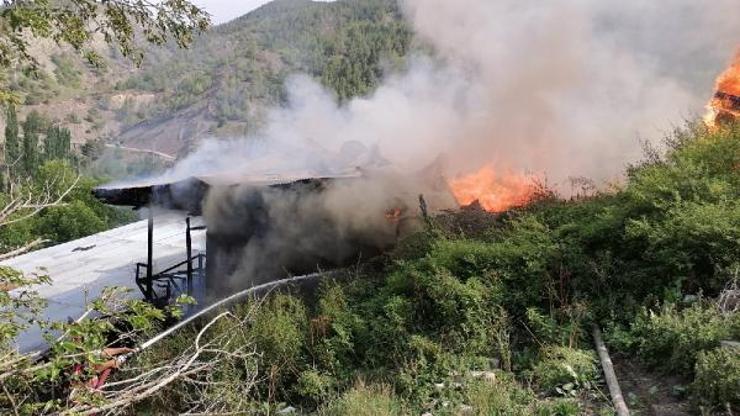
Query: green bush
[(502, 397), (313, 385), (672, 338), (684, 209), (333, 331), (449, 297), (516, 260), (717, 381), (565, 371), (279, 328), (278, 331), (673, 228), (567, 327), (365, 401)]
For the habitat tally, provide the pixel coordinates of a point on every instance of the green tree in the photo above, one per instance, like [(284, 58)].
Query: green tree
[(31, 128), (56, 143), (354, 56), (70, 221), (12, 147), (65, 141), (50, 142)]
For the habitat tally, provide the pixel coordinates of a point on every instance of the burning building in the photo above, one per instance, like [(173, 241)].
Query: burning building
[(264, 227)]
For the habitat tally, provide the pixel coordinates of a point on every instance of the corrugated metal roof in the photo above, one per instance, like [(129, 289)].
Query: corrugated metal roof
[(81, 269)]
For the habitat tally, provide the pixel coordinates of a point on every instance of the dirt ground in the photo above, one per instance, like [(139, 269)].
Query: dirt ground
[(648, 393)]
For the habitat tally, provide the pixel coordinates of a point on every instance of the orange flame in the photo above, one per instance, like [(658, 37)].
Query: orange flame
[(725, 104), (495, 193)]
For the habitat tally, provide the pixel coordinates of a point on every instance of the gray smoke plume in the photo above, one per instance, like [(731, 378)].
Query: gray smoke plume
[(557, 89)]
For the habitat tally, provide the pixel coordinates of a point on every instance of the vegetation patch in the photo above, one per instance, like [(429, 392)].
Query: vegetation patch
[(565, 371), (717, 381)]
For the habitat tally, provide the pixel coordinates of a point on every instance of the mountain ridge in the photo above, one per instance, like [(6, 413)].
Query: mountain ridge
[(252, 56), (224, 84)]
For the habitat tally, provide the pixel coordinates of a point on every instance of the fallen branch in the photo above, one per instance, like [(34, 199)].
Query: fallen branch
[(128, 399), (611, 378)]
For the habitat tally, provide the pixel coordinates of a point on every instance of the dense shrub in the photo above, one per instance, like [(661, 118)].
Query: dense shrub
[(70, 222), (672, 338), (314, 386), (564, 326), (560, 407), (673, 228), (717, 381), (333, 331), (684, 212), (278, 331), (279, 328)]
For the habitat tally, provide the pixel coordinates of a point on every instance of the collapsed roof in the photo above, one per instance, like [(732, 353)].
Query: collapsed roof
[(187, 194), (239, 163), (236, 163)]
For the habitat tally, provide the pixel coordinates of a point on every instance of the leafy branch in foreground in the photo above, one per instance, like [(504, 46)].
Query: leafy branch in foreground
[(65, 379), (79, 23)]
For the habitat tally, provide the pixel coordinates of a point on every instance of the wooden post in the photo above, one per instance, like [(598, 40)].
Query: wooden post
[(423, 207), (150, 256), (611, 378), (188, 247)]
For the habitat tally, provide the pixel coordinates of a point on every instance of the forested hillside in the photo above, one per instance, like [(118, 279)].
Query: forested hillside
[(224, 83), (220, 86)]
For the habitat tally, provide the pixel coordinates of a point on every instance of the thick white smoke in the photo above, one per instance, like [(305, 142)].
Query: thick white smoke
[(557, 89)]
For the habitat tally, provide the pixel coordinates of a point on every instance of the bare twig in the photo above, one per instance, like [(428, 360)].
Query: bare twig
[(33, 203), (129, 398), (25, 248)]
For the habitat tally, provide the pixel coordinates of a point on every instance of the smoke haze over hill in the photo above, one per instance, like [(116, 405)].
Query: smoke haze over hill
[(554, 90)]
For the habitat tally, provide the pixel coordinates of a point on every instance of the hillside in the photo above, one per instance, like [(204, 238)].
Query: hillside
[(222, 85)]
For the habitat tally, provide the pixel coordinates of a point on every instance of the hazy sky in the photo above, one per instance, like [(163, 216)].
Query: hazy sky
[(225, 10)]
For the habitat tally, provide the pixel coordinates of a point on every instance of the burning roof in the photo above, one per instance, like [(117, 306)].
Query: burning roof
[(725, 104)]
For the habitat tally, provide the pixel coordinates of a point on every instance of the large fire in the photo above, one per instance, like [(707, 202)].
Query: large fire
[(725, 104), (495, 192)]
